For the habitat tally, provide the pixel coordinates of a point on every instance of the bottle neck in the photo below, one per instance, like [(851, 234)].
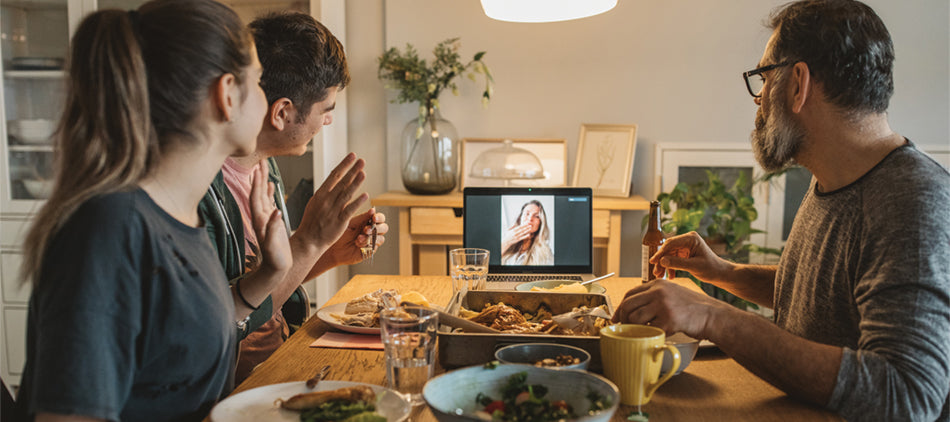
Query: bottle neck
[(654, 217)]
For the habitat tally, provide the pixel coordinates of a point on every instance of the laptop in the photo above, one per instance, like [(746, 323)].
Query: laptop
[(532, 233)]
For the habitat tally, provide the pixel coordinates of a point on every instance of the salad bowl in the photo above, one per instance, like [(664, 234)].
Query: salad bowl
[(452, 396)]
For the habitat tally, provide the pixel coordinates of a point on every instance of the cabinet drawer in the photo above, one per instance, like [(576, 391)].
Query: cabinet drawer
[(13, 290), (13, 231), (600, 223), (434, 221), (14, 340)]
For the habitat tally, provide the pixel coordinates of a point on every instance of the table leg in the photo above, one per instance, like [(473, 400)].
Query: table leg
[(405, 243), (613, 243)]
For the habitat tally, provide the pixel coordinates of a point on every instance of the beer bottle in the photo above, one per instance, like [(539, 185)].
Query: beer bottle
[(652, 240)]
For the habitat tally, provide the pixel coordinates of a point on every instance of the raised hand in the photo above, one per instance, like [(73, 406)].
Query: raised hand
[(515, 234), (329, 211), (268, 223)]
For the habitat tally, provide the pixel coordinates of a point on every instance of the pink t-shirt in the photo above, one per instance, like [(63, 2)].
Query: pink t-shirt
[(259, 345), (238, 180)]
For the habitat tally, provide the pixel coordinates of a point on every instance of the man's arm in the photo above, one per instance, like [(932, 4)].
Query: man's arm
[(799, 367), (689, 252)]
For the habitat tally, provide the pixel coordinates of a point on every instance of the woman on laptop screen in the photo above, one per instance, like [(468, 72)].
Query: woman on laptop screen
[(528, 240)]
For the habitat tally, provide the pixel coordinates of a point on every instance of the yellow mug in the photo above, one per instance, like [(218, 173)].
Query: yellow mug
[(632, 355)]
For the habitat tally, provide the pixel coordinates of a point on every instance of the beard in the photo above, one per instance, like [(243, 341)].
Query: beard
[(776, 139)]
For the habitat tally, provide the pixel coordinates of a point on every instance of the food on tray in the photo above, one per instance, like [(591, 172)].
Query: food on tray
[(348, 404), (364, 310), (523, 402), (582, 321), (563, 288), (559, 360)]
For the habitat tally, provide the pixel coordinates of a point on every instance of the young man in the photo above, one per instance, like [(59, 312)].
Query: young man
[(862, 321), (304, 69)]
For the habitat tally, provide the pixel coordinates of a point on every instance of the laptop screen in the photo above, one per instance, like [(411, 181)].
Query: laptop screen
[(530, 230)]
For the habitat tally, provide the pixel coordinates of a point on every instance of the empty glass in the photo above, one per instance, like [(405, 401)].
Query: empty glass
[(468, 268)]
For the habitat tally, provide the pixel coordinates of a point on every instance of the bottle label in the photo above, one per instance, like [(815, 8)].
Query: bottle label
[(645, 267)]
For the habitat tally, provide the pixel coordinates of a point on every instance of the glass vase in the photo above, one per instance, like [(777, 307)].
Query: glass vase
[(430, 155)]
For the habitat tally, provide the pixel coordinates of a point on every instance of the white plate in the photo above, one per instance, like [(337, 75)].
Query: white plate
[(257, 404), (324, 315)]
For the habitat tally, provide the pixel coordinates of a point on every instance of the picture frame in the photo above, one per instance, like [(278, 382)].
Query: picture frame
[(551, 151), (605, 158)]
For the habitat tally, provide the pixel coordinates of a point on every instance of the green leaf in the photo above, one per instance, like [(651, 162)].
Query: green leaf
[(478, 56)]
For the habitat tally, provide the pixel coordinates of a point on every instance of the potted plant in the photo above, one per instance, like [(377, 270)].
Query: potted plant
[(429, 152), (722, 215)]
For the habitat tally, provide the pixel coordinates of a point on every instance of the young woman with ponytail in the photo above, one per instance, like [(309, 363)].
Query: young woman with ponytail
[(131, 316)]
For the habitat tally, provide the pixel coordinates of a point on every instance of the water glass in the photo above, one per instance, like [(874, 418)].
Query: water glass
[(409, 338), (468, 268)]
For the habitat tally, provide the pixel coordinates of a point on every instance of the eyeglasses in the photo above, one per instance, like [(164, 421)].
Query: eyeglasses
[(754, 79)]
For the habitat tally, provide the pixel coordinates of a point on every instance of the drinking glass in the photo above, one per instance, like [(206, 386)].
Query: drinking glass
[(409, 338), (469, 268)]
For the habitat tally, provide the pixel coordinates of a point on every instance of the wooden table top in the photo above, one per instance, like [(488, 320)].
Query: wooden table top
[(712, 388)]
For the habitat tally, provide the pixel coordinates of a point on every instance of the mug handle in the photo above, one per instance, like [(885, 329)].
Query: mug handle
[(657, 355)]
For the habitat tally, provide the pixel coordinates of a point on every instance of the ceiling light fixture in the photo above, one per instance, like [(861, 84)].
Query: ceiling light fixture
[(544, 10)]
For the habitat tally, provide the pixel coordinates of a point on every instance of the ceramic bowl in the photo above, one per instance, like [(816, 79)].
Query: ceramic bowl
[(451, 396), (530, 353), (550, 284), (687, 347), (32, 131), (38, 189)]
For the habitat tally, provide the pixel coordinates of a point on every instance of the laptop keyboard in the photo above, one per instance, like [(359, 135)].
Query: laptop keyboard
[(531, 277), (510, 281)]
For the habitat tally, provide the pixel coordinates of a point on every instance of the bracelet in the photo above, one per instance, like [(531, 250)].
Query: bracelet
[(237, 288), (242, 324)]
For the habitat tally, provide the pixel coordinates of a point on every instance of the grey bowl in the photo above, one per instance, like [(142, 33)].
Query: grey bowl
[(550, 284), (529, 353), (451, 396), (687, 347)]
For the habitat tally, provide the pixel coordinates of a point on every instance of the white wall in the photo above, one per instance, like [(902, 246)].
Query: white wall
[(673, 67)]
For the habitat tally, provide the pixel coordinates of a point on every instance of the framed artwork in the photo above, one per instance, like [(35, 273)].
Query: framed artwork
[(551, 152), (605, 158)]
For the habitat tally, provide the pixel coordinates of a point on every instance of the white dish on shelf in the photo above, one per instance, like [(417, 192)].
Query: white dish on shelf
[(38, 189), (32, 131)]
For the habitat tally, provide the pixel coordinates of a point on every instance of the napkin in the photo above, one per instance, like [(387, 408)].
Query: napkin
[(348, 341)]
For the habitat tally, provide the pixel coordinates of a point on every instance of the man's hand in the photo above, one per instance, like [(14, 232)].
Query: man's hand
[(329, 211), (665, 305), (275, 255), (689, 252), (346, 250)]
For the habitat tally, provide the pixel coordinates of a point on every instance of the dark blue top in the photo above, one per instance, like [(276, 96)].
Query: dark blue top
[(131, 318)]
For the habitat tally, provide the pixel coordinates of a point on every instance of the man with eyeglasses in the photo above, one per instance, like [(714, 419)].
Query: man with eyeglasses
[(862, 291)]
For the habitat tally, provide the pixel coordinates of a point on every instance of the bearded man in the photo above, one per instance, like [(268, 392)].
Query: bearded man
[(862, 290)]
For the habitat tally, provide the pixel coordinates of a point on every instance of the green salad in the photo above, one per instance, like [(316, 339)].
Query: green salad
[(342, 411), (523, 402)]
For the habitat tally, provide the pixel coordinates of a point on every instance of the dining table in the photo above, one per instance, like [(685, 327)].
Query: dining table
[(713, 387)]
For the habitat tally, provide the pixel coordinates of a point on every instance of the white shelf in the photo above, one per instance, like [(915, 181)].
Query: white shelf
[(30, 148), (34, 74)]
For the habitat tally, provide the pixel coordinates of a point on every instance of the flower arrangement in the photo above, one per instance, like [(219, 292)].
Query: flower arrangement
[(421, 82)]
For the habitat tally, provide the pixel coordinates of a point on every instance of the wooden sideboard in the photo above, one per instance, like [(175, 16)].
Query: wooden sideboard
[(429, 225)]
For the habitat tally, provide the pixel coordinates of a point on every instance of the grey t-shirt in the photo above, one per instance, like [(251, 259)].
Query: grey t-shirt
[(867, 268), (131, 319)]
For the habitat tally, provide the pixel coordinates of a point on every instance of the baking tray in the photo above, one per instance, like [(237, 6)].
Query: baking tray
[(465, 349)]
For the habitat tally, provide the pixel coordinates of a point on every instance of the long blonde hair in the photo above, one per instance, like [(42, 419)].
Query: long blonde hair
[(135, 79)]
